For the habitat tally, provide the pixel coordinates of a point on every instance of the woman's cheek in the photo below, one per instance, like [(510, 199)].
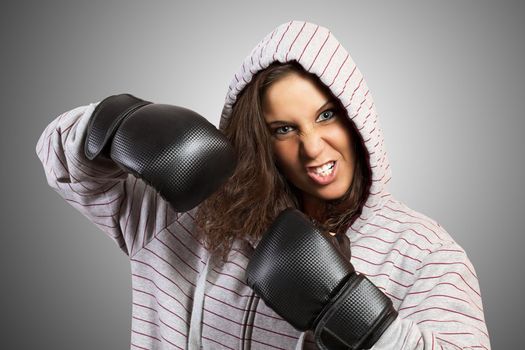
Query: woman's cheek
[(286, 156)]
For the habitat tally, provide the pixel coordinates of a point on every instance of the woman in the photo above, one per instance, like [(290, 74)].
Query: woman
[(307, 136)]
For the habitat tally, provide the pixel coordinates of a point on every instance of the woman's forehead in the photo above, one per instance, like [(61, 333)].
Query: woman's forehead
[(293, 95)]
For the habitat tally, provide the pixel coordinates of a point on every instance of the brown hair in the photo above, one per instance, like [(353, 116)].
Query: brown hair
[(257, 192)]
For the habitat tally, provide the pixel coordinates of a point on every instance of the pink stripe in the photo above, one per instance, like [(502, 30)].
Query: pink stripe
[(243, 254), (436, 296), (388, 252), (282, 36), (190, 232), (364, 122), (293, 42), (267, 344), (339, 70), (99, 193), (167, 341), (173, 266), (254, 326), (50, 129), (406, 213), (93, 204), (77, 167), (353, 93), (172, 328), (145, 307), (449, 263), (215, 341), (146, 321), (231, 276), (158, 303), (308, 43), (81, 183), (381, 264), (451, 273), (362, 102), (106, 226), (443, 340), (168, 246), (318, 52), (444, 283), (406, 230), (140, 347), (456, 333), (390, 279), (390, 295), (183, 244), (268, 41), (412, 222), (160, 289), (392, 242), (330, 60), (447, 251), (240, 308), (97, 173), (344, 86), (146, 335), (221, 330), (243, 268), (453, 321), (186, 294), (228, 289)]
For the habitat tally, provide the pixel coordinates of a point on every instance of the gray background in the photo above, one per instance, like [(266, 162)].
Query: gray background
[(448, 83)]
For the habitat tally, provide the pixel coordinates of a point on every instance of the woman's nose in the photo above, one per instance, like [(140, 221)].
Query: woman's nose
[(312, 144)]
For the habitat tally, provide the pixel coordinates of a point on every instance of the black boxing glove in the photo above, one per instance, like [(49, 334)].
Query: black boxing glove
[(300, 274), (175, 150)]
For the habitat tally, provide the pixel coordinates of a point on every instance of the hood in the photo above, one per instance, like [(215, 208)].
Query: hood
[(318, 51)]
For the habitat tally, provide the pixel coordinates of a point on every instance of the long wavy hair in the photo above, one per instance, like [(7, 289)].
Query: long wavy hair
[(257, 192)]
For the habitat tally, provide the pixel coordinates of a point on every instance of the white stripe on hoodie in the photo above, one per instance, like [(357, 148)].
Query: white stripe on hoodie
[(181, 299)]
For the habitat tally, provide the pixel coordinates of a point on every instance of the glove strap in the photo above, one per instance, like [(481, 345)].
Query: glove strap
[(105, 120), (356, 319)]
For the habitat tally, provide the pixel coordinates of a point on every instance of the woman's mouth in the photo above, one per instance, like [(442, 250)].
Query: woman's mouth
[(324, 174)]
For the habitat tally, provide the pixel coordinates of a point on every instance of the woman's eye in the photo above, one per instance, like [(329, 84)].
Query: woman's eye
[(283, 130), (328, 114)]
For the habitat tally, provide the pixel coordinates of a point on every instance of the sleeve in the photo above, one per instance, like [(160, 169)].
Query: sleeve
[(124, 207), (442, 308)]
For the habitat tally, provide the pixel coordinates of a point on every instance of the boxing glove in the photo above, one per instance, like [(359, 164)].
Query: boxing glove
[(175, 150), (299, 273)]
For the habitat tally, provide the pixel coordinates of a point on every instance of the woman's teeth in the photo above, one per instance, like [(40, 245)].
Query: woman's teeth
[(325, 170)]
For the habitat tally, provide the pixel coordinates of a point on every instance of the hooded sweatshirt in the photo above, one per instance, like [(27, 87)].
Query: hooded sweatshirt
[(183, 299)]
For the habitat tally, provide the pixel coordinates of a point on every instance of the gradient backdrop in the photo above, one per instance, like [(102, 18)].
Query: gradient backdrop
[(449, 74)]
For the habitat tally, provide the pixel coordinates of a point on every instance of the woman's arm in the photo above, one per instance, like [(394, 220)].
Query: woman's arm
[(128, 210), (443, 307)]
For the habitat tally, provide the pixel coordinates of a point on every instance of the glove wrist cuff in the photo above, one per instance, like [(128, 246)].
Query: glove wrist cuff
[(358, 316), (105, 120)]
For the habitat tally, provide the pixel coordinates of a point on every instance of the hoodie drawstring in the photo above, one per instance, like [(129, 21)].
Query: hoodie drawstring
[(195, 334)]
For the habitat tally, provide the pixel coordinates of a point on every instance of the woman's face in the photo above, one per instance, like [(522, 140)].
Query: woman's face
[(312, 144)]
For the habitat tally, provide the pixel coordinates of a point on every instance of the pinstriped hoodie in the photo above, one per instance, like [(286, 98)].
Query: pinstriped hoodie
[(183, 299)]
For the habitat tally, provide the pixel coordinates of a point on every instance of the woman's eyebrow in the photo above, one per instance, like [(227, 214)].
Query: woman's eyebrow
[(318, 110), (324, 105), (278, 122)]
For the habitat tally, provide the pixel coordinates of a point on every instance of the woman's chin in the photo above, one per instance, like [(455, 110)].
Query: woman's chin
[(329, 194)]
